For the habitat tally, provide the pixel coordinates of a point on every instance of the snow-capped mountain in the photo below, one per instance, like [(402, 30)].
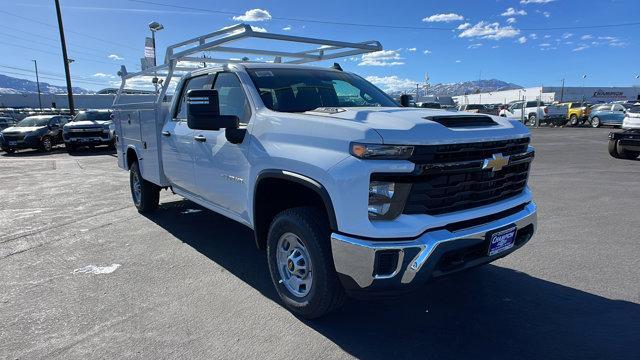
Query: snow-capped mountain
[(460, 88), (11, 85)]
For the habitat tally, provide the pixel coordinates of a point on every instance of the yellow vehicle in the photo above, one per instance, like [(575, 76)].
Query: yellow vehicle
[(577, 112)]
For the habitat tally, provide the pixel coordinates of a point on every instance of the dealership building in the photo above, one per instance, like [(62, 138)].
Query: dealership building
[(592, 95)]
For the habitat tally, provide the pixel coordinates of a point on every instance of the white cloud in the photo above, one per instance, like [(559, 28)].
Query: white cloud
[(586, 37), (581, 47), (392, 83), (511, 20), (533, 36), (443, 18), (522, 39), (474, 46), (115, 57), (103, 75), (567, 35), (412, 49), (254, 15), (427, 52), (547, 36), (546, 14), (458, 61), (381, 58), (545, 45), (489, 31), (463, 26), (287, 28), (513, 12), (525, 2)]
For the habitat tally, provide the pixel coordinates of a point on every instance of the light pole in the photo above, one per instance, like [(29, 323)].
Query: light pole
[(35, 62), (65, 59), (584, 79), (154, 26)]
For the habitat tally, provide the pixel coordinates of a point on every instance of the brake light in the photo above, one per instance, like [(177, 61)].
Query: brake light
[(546, 110)]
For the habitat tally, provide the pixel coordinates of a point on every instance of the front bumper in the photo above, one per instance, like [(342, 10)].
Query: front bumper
[(103, 139), (433, 254), (629, 139), (30, 142)]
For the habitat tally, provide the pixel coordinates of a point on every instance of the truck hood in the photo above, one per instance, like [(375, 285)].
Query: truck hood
[(412, 126), (87, 123), (21, 130)]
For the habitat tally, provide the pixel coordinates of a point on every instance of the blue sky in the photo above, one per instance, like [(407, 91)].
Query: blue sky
[(453, 41)]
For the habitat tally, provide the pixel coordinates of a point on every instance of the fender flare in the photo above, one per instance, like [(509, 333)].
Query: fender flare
[(303, 180)]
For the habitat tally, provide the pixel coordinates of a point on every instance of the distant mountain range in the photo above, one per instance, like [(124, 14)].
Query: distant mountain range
[(462, 88), (11, 85)]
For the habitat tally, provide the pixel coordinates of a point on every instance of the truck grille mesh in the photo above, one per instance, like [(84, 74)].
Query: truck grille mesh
[(450, 178)]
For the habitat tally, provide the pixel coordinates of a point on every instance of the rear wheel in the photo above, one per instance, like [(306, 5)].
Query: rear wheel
[(595, 122), (145, 194), (532, 120), (301, 262), (626, 154), (573, 120)]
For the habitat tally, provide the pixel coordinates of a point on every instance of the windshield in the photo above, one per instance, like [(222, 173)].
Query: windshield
[(93, 115), (634, 109), (296, 90), (33, 121)]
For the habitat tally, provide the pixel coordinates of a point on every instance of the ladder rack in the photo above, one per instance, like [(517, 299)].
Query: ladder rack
[(183, 55)]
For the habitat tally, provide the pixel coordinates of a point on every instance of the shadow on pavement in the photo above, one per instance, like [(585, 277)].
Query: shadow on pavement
[(490, 312)]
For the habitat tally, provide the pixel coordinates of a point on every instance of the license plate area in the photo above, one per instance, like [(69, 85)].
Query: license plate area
[(501, 240), (13, 143)]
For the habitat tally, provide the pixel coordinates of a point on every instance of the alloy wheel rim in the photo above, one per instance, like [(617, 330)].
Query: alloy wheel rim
[(46, 143), (596, 121), (294, 265), (137, 189)]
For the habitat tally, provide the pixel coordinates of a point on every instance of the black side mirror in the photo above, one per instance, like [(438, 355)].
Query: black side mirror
[(203, 112), (405, 100)]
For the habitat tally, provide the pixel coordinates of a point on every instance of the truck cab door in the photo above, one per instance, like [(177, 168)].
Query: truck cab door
[(177, 139), (221, 167)]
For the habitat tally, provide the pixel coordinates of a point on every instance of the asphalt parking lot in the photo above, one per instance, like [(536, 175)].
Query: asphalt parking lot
[(84, 275)]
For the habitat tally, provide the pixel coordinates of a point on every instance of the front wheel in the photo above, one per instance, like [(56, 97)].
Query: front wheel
[(46, 144), (145, 194), (595, 122), (301, 262), (613, 149)]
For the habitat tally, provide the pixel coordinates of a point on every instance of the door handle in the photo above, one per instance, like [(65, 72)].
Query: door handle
[(166, 133), (200, 138)]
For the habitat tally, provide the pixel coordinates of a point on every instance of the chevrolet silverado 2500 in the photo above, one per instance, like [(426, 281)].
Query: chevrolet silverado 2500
[(89, 128), (348, 192)]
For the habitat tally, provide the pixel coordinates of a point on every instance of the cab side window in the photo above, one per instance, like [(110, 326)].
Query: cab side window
[(202, 82), (232, 98)]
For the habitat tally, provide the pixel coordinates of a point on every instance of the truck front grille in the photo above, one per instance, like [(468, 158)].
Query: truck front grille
[(450, 178), (87, 134)]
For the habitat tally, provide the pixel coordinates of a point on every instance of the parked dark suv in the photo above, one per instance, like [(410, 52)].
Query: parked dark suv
[(34, 132), (6, 121)]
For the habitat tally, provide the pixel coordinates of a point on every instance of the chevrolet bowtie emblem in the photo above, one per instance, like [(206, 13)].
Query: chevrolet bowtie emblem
[(495, 163)]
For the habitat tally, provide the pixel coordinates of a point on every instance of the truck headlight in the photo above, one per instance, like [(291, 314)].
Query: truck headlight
[(387, 199), (380, 151)]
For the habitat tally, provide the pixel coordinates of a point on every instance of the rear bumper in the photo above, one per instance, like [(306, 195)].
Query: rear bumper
[(433, 254)]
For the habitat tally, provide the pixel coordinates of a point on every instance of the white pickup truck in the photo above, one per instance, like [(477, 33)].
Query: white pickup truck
[(535, 112), (349, 193)]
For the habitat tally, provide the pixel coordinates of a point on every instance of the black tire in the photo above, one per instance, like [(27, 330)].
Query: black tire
[(573, 120), (70, 148), (595, 122), (613, 149), (112, 144), (532, 120), (312, 228), (148, 197), (9, 151), (46, 144), (626, 154)]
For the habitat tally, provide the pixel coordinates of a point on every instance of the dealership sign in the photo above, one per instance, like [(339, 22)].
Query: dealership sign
[(601, 94)]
